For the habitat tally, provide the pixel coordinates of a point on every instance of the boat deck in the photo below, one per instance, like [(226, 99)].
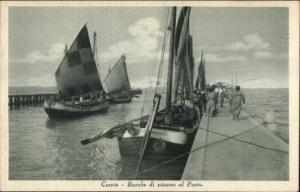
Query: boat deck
[(227, 149)]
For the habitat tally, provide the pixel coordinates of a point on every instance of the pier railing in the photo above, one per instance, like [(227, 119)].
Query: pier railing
[(17, 100)]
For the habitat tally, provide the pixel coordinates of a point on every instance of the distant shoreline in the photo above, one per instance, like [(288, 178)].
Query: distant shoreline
[(54, 87)]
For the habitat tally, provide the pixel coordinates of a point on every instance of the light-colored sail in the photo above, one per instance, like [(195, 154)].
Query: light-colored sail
[(77, 74), (117, 78)]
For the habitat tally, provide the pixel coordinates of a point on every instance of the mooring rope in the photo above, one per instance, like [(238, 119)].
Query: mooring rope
[(247, 142), (210, 144), (189, 152)]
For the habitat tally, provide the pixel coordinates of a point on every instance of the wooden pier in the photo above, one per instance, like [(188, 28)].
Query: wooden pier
[(227, 149), (17, 100)]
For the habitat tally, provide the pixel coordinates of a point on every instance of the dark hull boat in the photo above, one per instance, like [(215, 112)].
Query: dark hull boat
[(167, 143), (165, 155), (64, 110), (79, 86), (157, 146), (120, 99)]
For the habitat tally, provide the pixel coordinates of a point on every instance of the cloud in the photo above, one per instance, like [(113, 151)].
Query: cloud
[(148, 82), (144, 39), (249, 42), (262, 55), (219, 59), (54, 52), (269, 82)]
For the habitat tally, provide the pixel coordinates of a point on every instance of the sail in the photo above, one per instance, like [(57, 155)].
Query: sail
[(77, 73), (201, 82), (184, 62), (117, 78)]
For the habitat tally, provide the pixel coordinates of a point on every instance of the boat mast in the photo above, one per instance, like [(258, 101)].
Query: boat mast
[(94, 44), (66, 50), (170, 66)]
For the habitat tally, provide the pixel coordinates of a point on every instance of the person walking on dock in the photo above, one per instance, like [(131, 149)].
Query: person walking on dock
[(222, 96), (203, 100), (211, 101), (236, 101)]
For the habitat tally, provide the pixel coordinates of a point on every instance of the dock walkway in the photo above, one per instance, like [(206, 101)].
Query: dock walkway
[(227, 149)]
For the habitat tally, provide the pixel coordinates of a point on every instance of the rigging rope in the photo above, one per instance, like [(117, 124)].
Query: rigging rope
[(162, 54), (207, 145), (164, 21)]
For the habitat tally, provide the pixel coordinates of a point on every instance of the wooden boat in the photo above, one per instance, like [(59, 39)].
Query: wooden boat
[(118, 99), (156, 146), (78, 82), (66, 109), (117, 84)]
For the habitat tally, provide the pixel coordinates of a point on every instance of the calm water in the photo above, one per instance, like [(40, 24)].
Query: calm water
[(41, 148)]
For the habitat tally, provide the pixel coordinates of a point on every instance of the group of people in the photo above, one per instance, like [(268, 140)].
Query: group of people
[(207, 100)]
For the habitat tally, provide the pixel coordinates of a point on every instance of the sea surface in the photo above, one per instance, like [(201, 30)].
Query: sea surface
[(46, 149)]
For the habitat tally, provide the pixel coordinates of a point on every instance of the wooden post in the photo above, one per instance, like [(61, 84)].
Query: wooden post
[(22, 100), (10, 101), (17, 101)]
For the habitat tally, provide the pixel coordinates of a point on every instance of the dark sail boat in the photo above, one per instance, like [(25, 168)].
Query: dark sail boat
[(117, 83), (164, 135), (200, 81), (78, 82)]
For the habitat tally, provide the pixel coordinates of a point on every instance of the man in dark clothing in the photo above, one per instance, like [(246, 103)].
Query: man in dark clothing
[(222, 96), (197, 101)]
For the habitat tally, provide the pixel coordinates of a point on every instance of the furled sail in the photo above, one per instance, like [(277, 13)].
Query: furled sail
[(77, 73), (184, 62), (201, 82), (117, 78)]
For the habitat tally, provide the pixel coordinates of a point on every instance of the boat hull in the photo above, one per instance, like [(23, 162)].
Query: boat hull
[(120, 100), (158, 151), (60, 110)]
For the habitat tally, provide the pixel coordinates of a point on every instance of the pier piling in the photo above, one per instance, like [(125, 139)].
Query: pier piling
[(17, 100)]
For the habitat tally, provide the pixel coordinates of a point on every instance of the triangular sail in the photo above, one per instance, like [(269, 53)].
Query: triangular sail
[(201, 82), (117, 78), (77, 74)]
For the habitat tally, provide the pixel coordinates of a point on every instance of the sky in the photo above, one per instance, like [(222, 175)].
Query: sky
[(247, 44)]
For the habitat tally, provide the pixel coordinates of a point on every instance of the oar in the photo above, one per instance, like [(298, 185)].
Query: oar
[(96, 137)]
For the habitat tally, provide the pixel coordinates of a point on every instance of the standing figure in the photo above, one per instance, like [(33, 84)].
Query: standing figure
[(236, 101), (211, 101), (197, 101), (222, 96), (203, 100), (73, 100), (215, 112)]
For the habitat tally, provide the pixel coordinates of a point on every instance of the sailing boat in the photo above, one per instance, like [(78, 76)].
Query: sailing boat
[(79, 86), (117, 83), (200, 81), (164, 133)]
